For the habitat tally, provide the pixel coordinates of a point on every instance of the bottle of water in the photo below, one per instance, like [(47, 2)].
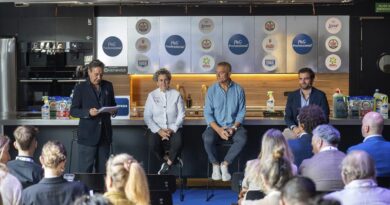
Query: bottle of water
[(270, 102), (45, 109)]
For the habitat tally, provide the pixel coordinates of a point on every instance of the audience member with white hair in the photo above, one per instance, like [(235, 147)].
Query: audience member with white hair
[(358, 173), (126, 181), (272, 139), (324, 167), (10, 187), (374, 143), (53, 188)]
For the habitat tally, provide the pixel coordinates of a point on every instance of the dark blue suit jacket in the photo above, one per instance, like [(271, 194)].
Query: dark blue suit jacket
[(293, 105), (301, 148), (84, 98), (379, 149)]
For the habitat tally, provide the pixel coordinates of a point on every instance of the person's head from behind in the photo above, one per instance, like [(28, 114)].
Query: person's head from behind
[(4, 149), (310, 117), (53, 158), (323, 136), (297, 191), (276, 171), (223, 71), (163, 78), (306, 78), (125, 174), (273, 139), (95, 71), (357, 165), (26, 139), (372, 124), (96, 199)]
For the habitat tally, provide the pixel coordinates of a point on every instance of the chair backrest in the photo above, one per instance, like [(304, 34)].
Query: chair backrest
[(94, 181), (160, 197), (383, 182), (162, 182), (237, 181)]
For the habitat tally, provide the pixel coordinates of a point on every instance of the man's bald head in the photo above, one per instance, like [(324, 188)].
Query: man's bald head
[(372, 124)]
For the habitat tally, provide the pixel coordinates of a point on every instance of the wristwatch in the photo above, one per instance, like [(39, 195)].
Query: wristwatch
[(234, 127)]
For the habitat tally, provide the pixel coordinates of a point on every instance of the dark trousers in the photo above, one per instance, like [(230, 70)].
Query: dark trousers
[(161, 147), (91, 157), (210, 139)]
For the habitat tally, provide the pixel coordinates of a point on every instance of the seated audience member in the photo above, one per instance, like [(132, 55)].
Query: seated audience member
[(274, 173), (23, 167), (324, 167), (164, 114), (10, 187), (374, 143), (272, 140), (309, 118), (298, 191), (126, 181), (53, 188), (358, 173), (96, 199)]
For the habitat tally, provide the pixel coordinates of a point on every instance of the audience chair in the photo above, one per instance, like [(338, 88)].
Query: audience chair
[(160, 197), (94, 181), (236, 184), (226, 144)]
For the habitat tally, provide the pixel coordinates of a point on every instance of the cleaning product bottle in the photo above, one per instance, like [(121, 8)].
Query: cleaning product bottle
[(189, 101), (340, 105), (45, 109), (270, 102), (381, 103)]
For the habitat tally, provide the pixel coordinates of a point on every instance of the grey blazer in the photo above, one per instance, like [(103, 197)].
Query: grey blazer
[(324, 168)]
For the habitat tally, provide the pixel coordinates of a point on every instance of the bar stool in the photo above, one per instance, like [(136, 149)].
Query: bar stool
[(210, 181), (178, 165)]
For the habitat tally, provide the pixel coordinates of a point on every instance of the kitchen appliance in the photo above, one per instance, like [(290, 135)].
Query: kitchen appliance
[(7, 76)]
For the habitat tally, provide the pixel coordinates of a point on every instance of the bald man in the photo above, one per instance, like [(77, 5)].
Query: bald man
[(374, 143)]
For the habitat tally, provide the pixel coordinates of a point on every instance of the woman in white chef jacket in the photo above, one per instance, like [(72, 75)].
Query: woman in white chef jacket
[(164, 115)]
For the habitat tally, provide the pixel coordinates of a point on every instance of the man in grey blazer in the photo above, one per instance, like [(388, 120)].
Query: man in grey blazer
[(324, 168)]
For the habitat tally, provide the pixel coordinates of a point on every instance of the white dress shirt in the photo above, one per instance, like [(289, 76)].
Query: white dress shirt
[(164, 110)]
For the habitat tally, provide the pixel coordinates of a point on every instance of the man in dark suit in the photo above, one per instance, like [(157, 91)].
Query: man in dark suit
[(374, 143), (324, 167), (305, 95), (95, 132)]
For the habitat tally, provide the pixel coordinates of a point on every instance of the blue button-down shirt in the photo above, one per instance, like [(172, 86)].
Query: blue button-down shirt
[(225, 108)]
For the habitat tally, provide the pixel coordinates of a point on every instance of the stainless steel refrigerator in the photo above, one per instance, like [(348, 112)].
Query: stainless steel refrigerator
[(7, 76)]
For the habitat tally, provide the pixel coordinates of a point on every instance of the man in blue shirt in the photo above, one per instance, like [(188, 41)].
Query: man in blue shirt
[(224, 113)]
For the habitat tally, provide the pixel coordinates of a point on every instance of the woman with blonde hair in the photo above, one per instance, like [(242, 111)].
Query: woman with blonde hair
[(126, 181), (10, 187), (53, 188), (272, 140)]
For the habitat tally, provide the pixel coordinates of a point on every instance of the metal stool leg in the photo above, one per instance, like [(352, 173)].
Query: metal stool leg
[(181, 182), (208, 194)]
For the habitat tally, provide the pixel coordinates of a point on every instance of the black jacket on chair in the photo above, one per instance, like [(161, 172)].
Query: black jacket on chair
[(293, 105), (85, 98)]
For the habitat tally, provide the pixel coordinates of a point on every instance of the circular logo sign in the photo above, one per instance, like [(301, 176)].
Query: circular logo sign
[(333, 25), (142, 45), (333, 62), (269, 44), (143, 26), (333, 44), (302, 44), (175, 45), (112, 46), (269, 63), (238, 44), (206, 44), (142, 62), (206, 62), (270, 26), (206, 25)]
